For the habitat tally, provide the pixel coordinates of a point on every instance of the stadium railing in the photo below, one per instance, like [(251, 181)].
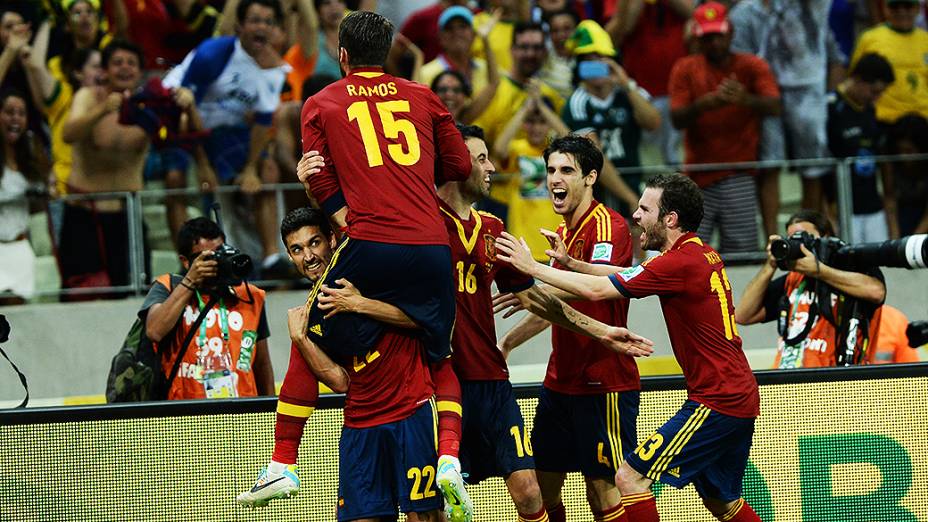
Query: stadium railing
[(137, 201)]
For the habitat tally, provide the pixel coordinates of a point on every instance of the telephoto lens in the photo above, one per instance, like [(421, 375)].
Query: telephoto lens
[(907, 252)]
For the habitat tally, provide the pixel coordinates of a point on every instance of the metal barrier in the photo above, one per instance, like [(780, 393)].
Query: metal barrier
[(135, 202)]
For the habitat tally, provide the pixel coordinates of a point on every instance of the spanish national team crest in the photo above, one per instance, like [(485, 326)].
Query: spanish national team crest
[(489, 241), (577, 250)]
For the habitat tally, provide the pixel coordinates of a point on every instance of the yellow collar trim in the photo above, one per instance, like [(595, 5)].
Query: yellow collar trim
[(577, 230), (468, 242)]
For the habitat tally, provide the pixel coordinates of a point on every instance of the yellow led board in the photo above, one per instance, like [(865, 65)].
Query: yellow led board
[(842, 451)]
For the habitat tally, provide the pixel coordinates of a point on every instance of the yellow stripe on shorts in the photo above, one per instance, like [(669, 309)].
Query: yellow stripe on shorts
[(679, 440)]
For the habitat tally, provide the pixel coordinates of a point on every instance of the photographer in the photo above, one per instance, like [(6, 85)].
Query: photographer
[(228, 355), (810, 333)]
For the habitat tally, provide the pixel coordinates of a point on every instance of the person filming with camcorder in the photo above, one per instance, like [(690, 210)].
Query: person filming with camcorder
[(828, 305), (208, 324)]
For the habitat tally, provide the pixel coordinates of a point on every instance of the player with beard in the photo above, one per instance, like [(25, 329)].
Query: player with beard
[(589, 403), (708, 441)]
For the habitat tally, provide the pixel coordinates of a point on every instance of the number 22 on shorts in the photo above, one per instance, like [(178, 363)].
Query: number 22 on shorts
[(360, 111), (416, 475)]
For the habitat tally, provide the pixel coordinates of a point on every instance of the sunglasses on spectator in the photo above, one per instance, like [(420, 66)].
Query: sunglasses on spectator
[(451, 90), (530, 47)]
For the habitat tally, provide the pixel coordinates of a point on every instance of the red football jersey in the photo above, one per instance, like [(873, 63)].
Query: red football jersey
[(700, 314), (580, 365), (473, 256), (385, 140), (389, 383)]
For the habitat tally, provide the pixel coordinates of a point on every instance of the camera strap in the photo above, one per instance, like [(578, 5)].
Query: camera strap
[(788, 311), (851, 346), (22, 379), (187, 339)]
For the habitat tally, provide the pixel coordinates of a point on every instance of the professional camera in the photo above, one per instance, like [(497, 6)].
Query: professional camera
[(908, 252), (233, 266)]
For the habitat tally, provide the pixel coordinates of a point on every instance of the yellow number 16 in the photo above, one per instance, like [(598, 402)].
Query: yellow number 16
[(392, 128)]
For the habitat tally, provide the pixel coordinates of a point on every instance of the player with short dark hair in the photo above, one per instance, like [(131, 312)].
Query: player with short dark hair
[(494, 441), (587, 411), (708, 441), (389, 415)]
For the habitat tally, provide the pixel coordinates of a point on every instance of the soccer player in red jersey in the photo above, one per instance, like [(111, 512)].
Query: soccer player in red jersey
[(590, 397), (708, 441), (388, 424), (385, 142), (494, 442)]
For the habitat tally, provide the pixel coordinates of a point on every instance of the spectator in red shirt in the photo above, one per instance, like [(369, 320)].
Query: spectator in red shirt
[(718, 98), (650, 35), (421, 28)]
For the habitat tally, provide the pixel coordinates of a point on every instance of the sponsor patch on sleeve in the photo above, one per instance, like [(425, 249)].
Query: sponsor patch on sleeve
[(602, 252), (630, 273)]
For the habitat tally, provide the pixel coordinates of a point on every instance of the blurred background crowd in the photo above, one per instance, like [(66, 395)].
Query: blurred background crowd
[(120, 119)]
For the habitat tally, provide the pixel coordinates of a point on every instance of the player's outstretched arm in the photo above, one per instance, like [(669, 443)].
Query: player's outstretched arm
[(541, 303), (323, 367), (349, 299), (558, 252), (517, 253), (530, 326)]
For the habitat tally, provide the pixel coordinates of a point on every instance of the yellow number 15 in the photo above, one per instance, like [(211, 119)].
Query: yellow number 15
[(392, 128)]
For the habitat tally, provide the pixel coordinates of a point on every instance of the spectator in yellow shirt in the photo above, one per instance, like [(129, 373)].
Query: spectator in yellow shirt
[(905, 46)]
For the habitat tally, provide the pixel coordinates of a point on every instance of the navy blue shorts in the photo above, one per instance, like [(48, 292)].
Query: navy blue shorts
[(585, 433), (389, 465), (417, 279), (701, 446), (493, 442)]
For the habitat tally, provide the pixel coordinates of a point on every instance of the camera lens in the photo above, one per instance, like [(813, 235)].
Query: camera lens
[(779, 248)]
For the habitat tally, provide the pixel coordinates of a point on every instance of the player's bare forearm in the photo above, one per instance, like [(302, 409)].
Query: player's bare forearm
[(586, 286), (347, 298), (385, 313), (560, 313), (583, 267), (322, 366), (530, 326), (556, 311)]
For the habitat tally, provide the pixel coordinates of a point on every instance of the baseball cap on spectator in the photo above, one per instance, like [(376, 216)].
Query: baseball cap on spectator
[(710, 18), (455, 11), (590, 38)]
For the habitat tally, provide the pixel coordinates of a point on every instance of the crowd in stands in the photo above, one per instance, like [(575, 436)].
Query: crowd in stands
[(115, 96)]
